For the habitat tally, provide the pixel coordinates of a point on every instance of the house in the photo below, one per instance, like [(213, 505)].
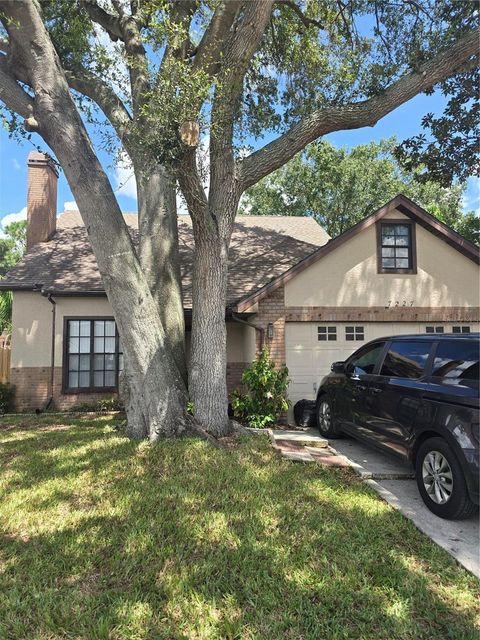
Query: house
[(311, 299)]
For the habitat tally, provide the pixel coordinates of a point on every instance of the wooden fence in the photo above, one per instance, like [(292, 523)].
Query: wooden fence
[(4, 360)]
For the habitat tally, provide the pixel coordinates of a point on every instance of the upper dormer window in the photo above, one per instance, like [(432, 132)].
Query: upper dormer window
[(396, 246)]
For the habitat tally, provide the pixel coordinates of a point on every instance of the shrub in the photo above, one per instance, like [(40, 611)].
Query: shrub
[(265, 397), (104, 404), (6, 398)]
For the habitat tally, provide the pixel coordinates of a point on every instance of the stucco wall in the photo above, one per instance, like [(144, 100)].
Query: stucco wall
[(32, 329), (347, 277)]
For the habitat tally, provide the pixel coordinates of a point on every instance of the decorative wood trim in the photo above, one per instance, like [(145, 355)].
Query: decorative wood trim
[(380, 314), (412, 248)]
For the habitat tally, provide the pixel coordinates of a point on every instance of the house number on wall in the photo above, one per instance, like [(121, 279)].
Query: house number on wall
[(397, 303)]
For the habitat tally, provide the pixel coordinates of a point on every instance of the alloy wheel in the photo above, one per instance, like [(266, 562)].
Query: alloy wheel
[(437, 477), (324, 416)]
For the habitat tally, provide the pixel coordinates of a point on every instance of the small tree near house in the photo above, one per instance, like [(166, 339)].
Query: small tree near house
[(265, 396)]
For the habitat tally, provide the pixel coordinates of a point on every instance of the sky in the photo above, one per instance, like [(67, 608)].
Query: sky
[(403, 123)]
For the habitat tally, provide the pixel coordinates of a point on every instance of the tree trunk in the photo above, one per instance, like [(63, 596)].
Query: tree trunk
[(208, 363), (157, 388), (159, 255)]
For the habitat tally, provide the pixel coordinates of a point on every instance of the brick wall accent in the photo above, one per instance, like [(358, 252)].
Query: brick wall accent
[(234, 374), (272, 309), (380, 314), (41, 198), (32, 390)]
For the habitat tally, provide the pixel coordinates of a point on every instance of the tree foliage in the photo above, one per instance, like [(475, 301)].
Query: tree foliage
[(338, 188), (12, 248)]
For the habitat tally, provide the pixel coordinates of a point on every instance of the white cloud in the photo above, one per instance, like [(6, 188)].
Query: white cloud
[(16, 165), (124, 177), (13, 217), (71, 205)]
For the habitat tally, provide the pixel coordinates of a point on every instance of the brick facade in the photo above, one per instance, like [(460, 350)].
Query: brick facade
[(32, 390), (41, 199), (271, 309), (382, 314)]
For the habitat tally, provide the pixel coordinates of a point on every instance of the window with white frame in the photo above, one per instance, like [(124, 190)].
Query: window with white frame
[(354, 333), (327, 333), (93, 354)]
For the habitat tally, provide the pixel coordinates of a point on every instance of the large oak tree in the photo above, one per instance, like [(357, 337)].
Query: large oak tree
[(235, 70)]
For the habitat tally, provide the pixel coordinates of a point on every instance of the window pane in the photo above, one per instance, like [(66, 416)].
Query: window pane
[(457, 360), (429, 329), (438, 329), (99, 328), (388, 241), (84, 379), (110, 361), (401, 263), (388, 263), (456, 330), (402, 229), (73, 363), (99, 345), (85, 327), (74, 327), (109, 345), (73, 345), (84, 363), (401, 253), (109, 328), (98, 362), (73, 380), (388, 230), (332, 329), (84, 345), (388, 252), (406, 359), (98, 379), (402, 241), (465, 329), (109, 378), (366, 360)]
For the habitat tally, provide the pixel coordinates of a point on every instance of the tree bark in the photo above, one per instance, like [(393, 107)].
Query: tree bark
[(159, 254), (208, 363)]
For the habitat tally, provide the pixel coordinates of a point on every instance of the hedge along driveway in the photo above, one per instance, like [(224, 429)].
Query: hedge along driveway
[(107, 538)]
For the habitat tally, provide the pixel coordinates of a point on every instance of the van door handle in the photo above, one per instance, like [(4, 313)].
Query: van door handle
[(376, 389), (362, 387)]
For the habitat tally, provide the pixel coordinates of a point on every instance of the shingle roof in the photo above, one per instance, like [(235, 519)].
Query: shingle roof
[(262, 248)]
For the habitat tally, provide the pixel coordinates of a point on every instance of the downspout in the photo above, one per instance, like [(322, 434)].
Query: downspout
[(52, 351), (260, 330)]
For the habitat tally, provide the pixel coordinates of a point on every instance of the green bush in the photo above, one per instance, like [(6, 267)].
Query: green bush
[(104, 404), (265, 397), (6, 398)]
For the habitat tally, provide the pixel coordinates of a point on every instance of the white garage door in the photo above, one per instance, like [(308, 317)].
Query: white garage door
[(311, 347)]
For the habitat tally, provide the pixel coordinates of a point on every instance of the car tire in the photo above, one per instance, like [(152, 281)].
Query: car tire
[(325, 420), (441, 481)]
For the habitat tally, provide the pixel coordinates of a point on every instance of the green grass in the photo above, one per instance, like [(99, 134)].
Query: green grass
[(102, 537)]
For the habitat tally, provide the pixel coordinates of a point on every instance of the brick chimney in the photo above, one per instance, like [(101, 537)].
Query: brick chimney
[(41, 198)]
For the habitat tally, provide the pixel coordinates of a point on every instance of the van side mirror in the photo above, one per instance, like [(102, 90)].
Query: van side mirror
[(338, 367)]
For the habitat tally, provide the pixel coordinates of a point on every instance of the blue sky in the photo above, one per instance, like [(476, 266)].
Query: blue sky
[(403, 123)]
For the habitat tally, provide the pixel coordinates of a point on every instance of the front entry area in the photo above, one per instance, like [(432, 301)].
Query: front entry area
[(311, 347)]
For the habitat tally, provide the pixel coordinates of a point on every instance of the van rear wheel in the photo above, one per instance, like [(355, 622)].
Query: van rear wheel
[(441, 481)]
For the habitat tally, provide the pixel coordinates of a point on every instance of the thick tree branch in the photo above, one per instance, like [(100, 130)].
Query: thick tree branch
[(208, 51), (108, 21), (306, 21), (361, 114), (12, 94), (105, 97)]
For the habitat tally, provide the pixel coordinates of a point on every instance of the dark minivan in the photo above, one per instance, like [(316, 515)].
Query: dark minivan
[(416, 396)]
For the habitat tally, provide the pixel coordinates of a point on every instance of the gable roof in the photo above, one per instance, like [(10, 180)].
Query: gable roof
[(400, 203), (262, 248)]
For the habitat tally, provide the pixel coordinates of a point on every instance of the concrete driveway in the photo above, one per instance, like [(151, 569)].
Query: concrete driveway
[(393, 480)]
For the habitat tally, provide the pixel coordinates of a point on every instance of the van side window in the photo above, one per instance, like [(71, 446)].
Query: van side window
[(456, 360), (366, 360), (406, 359)]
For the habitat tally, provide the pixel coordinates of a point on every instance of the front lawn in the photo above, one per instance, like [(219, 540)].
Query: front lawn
[(106, 538)]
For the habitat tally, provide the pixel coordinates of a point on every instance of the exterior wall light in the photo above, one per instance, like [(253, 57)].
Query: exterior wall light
[(270, 330)]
